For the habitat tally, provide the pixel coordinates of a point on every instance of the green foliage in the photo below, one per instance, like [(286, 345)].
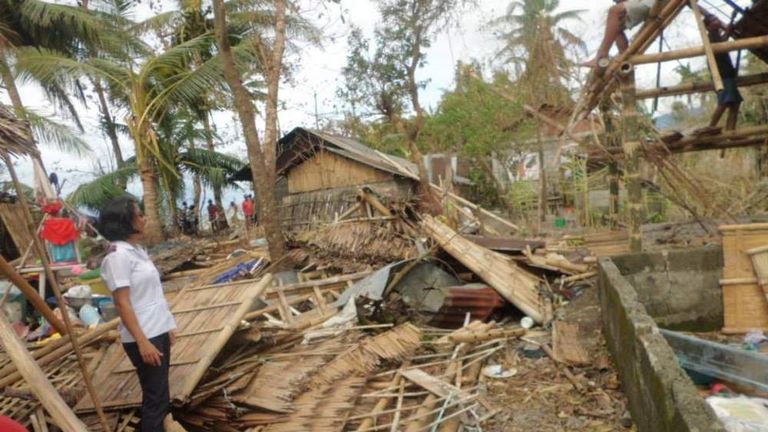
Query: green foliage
[(474, 120), (535, 44), (99, 191)]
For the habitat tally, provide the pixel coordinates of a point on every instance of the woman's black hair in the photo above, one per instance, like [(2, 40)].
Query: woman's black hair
[(116, 219)]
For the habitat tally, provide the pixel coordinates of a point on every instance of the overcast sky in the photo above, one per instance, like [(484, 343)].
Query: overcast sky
[(319, 73)]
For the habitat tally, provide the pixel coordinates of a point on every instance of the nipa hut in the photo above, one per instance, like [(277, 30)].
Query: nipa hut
[(321, 175)]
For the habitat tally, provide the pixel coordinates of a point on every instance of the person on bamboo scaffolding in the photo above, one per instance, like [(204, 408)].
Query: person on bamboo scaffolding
[(729, 98), (147, 327), (624, 15)]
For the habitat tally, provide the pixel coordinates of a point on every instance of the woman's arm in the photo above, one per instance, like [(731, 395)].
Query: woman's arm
[(149, 353)]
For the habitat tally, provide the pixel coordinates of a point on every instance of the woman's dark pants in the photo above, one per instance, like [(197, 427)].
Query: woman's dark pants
[(155, 400)]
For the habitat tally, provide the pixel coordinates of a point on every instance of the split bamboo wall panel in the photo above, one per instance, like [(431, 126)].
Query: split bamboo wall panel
[(13, 218), (307, 209), (325, 170), (745, 305), (206, 317)]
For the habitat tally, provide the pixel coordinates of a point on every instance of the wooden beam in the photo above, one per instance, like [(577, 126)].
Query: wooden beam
[(34, 376), (717, 79), (717, 48), (699, 87)]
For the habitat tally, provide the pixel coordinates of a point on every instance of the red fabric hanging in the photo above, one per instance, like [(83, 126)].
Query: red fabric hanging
[(52, 208), (59, 231)]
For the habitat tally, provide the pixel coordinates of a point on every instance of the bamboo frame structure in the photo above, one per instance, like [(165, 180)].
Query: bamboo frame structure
[(699, 87), (717, 48), (631, 146), (717, 79)]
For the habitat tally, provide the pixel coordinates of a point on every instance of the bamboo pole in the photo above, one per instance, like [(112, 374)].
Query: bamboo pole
[(751, 135), (476, 207), (452, 195), (31, 294), (717, 48), (631, 146), (54, 351), (40, 249), (699, 87), (611, 141), (717, 79), (364, 195), (38, 382)]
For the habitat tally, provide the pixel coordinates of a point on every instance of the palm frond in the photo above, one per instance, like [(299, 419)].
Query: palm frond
[(59, 25), (157, 22), (55, 133), (50, 67), (96, 193), (214, 168)]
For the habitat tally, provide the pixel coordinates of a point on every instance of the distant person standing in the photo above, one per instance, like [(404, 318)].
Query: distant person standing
[(192, 218), (232, 210), (213, 215), (248, 209)]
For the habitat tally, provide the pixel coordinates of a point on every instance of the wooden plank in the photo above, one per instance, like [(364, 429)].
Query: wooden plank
[(566, 344), (497, 270), (432, 384)]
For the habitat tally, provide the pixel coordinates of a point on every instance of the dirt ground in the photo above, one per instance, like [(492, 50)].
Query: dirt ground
[(540, 398)]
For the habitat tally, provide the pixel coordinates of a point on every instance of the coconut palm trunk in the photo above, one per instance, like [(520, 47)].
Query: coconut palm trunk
[(261, 163), (153, 230), (209, 142)]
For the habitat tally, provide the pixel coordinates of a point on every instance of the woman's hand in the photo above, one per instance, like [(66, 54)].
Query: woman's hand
[(150, 354), (172, 337)]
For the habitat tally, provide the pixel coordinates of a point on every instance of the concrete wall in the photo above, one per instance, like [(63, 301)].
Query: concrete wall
[(679, 289), (661, 397)]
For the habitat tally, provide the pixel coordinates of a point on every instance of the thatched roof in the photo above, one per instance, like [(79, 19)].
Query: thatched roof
[(14, 135)]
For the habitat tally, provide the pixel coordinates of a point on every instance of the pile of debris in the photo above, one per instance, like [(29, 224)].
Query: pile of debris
[(414, 345)]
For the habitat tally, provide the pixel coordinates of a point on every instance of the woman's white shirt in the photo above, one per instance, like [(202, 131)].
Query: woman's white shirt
[(129, 266)]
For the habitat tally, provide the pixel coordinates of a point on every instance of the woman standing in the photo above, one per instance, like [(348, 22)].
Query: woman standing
[(146, 324)]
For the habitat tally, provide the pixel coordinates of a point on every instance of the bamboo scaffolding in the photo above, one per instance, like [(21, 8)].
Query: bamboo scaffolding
[(631, 146), (717, 79), (699, 87), (603, 81), (717, 48)]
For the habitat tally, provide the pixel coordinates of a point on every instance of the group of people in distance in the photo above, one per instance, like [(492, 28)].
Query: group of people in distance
[(626, 14), (189, 222)]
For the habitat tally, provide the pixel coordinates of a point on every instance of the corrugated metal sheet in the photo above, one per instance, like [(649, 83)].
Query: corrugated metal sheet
[(480, 301)]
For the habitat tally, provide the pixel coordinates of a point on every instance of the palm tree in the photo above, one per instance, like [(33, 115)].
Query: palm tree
[(66, 29), (535, 43), (212, 167), (148, 90)]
